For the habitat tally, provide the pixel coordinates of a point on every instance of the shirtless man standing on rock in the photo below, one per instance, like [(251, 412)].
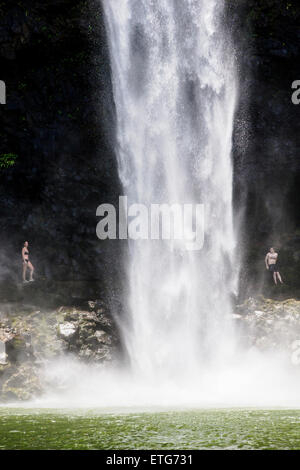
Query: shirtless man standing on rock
[(271, 264)]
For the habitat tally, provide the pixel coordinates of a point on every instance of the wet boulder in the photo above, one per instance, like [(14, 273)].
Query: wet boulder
[(89, 334), (270, 324)]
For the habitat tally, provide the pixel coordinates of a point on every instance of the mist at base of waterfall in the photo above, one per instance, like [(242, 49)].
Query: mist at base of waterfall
[(251, 379)]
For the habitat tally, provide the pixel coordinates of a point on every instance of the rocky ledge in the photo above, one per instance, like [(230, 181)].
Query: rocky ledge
[(30, 337), (269, 324)]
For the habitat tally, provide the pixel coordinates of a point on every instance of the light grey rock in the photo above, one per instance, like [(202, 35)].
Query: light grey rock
[(67, 330), (258, 313)]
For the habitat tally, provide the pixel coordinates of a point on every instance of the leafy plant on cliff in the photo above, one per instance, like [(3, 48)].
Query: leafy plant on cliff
[(7, 160)]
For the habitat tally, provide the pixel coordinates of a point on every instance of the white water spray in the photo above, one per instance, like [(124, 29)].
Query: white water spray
[(175, 89)]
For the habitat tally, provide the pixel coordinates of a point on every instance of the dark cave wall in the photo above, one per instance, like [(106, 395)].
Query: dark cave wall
[(267, 138), (59, 121)]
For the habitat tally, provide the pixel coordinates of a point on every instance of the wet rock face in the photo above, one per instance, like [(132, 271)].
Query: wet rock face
[(67, 330), (19, 379), (266, 135), (31, 339), (59, 121), (268, 324), (91, 335), (19, 383), (16, 346)]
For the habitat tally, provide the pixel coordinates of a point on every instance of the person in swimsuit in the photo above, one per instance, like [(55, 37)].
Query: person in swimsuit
[(26, 263), (271, 264)]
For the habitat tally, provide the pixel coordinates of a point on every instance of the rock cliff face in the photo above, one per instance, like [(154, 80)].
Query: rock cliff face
[(33, 340), (270, 325), (267, 137), (30, 339), (59, 121)]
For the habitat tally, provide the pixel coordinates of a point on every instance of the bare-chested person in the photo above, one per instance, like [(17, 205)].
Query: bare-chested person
[(26, 263), (271, 264)]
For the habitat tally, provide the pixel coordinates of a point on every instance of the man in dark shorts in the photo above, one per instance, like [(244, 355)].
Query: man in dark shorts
[(271, 261)]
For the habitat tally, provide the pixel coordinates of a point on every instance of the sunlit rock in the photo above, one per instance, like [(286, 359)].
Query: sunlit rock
[(67, 330)]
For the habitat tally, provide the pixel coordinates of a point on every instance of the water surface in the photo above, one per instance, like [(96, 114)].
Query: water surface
[(195, 429)]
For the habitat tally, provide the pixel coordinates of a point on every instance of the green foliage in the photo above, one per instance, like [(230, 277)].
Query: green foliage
[(7, 160), (22, 86)]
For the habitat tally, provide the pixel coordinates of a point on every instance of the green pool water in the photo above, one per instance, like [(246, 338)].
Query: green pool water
[(195, 429)]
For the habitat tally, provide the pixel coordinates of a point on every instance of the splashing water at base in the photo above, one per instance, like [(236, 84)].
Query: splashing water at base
[(253, 379)]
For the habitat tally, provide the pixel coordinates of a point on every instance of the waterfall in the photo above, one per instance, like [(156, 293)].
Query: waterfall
[(174, 85)]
